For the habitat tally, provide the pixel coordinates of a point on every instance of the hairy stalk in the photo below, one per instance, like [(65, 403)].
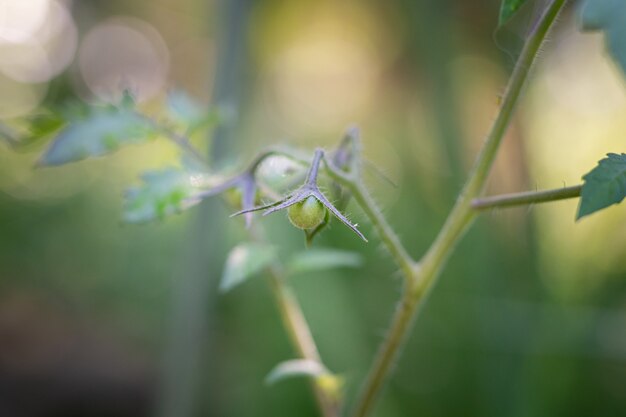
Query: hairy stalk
[(385, 231), (300, 335), (296, 327), (422, 279), (295, 324), (525, 198), (291, 314)]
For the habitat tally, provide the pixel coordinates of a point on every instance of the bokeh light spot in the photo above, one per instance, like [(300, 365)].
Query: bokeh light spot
[(123, 54)]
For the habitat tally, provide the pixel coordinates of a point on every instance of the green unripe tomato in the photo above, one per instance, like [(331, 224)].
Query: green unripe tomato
[(307, 214)]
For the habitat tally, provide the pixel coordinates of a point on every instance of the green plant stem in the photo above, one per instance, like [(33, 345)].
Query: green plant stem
[(179, 140), (297, 327), (525, 198), (368, 205), (192, 295), (422, 279), (385, 231), (300, 335), (291, 314)]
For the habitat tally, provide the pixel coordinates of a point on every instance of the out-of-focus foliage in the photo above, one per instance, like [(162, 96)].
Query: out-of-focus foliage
[(608, 16), (185, 112), (294, 368), (508, 9), (244, 261), (102, 131), (163, 192), (320, 259)]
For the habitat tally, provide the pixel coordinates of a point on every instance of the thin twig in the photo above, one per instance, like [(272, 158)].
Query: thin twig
[(296, 326), (525, 198)]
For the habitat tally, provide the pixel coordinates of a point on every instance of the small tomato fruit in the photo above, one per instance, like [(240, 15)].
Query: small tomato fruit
[(307, 214)]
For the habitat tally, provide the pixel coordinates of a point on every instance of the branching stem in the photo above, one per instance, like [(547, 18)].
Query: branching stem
[(419, 277), (420, 280), (291, 314), (297, 327), (378, 220)]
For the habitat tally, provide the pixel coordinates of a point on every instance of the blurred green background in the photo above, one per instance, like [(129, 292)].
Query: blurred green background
[(529, 317)]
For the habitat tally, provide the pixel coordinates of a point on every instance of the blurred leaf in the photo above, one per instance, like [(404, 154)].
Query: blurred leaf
[(610, 17), (104, 130), (184, 108), (7, 134), (313, 260), (44, 124), (244, 261), (295, 368), (604, 185), (163, 193), (32, 128), (188, 113), (507, 9)]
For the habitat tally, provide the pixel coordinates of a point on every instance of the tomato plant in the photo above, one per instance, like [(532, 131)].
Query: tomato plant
[(323, 182)]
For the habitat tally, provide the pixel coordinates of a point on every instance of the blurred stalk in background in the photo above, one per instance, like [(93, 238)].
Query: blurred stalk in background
[(191, 350)]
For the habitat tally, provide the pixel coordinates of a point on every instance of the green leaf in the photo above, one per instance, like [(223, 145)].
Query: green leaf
[(188, 113), (604, 185), (313, 260), (7, 134), (244, 261), (163, 193), (43, 125), (184, 108), (295, 368), (32, 128), (610, 17), (508, 8), (104, 130)]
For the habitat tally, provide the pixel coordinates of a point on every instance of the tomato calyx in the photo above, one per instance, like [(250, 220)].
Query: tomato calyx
[(311, 204)]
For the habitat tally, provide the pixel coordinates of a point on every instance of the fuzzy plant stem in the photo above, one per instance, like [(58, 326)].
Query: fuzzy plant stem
[(300, 335), (526, 198), (296, 326), (422, 278), (385, 231), (293, 319)]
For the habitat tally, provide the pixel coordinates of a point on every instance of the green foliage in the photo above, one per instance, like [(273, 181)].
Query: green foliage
[(43, 125), (7, 134), (314, 260), (244, 261), (610, 17), (296, 368), (37, 126), (103, 130), (189, 114), (508, 8), (162, 193), (604, 185)]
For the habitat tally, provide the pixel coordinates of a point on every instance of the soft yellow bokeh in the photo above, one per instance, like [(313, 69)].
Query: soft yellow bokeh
[(575, 115)]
